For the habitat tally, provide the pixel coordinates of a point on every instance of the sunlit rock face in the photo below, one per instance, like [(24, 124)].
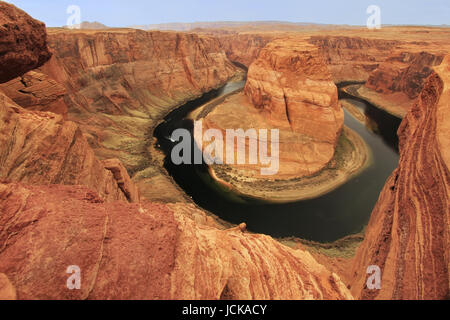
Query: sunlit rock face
[(42, 148), (353, 58), (290, 83), (244, 48), (408, 234)]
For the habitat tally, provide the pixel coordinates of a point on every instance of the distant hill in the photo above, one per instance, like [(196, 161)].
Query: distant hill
[(89, 25), (179, 26)]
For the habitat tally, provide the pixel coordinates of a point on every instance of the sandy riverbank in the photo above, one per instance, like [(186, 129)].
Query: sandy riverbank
[(394, 104)]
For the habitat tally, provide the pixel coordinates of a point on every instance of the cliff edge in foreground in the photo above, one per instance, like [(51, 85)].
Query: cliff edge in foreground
[(408, 236)]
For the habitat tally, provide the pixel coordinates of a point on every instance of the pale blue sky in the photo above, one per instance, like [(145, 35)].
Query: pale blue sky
[(118, 13)]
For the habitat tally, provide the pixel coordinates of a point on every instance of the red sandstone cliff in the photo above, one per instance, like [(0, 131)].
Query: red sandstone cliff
[(42, 148), (404, 72), (36, 91), (288, 88), (349, 58), (290, 82), (353, 58), (408, 236)]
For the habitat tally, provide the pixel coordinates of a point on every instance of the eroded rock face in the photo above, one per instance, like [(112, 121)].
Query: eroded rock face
[(290, 83), (353, 58), (398, 81), (36, 91), (408, 236), (404, 72), (120, 174), (131, 251), (120, 83), (23, 44), (42, 148), (244, 48)]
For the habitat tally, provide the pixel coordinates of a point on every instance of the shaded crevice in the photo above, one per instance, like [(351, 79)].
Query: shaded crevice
[(287, 110)]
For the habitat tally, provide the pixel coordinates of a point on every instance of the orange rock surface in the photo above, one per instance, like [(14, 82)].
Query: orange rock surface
[(244, 48), (36, 91), (7, 290), (42, 148), (290, 83), (352, 58), (143, 251), (408, 236)]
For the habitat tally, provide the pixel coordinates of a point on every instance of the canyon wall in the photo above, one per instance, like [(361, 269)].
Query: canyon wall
[(408, 236), (42, 148), (353, 58), (398, 81), (404, 72), (116, 85), (36, 91), (120, 83), (349, 58), (244, 48)]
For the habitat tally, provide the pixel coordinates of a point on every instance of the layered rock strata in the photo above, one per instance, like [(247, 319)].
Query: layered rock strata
[(352, 59), (42, 148), (117, 95), (36, 91), (397, 82), (408, 236)]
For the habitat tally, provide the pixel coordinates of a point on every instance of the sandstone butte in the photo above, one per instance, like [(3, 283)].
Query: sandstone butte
[(147, 250), (394, 63), (126, 251), (290, 88)]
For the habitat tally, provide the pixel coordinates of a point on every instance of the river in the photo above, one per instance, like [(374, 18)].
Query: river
[(339, 213)]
